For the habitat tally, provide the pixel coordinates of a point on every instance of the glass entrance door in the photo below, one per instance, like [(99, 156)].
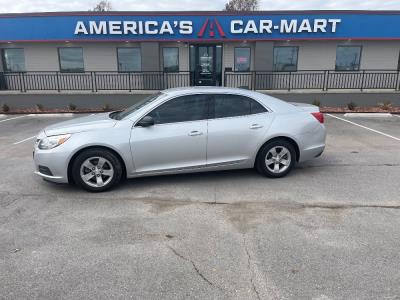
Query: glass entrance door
[(206, 64)]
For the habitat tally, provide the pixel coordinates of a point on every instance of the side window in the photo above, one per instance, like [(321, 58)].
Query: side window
[(257, 108), (181, 109), (235, 105)]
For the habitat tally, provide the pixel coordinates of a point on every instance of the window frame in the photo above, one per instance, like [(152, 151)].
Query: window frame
[(234, 57), (211, 109), (163, 60), (3, 60), (398, 61), (208, 98), (359, 59), (297, 58), (59, 60), (141, 61)]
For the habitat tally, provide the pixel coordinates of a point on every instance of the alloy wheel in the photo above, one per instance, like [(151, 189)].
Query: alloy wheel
[(278, 159), (96, 171)]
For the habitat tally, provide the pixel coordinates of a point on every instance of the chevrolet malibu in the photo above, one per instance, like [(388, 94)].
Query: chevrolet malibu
[(181, 130)]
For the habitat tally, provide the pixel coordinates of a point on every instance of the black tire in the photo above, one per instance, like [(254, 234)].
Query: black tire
[(110, 158), (261, 164)]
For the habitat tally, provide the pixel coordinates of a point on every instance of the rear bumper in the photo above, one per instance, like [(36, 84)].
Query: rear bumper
[(312, 144), (311, 153)]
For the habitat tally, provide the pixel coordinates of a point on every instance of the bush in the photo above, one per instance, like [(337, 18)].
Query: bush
[(386, 105), (316, 102), (106, 107), (39, 107), (5, 108), (351, 105), (71, 106)]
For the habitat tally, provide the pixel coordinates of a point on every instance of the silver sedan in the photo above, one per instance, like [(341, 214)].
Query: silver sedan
[(181, 130)]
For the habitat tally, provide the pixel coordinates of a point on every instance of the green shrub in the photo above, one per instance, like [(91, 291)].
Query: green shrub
[(39, 107), (5, 108), (71, 106), (106, 107), (385, 105), (351, 105)]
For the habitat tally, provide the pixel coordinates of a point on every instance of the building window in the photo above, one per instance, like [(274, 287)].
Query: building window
[(285, 58), (348, 58), (129, 60), (242, 59), (13, 60), (171, 59), (71, 59)]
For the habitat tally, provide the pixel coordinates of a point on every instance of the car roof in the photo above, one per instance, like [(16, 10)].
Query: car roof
[(272, 103), (205, 89)]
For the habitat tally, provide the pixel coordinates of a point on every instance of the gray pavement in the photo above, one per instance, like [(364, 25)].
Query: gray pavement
[(327, 231)]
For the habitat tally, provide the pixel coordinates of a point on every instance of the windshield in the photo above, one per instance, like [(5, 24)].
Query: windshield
[(122, 114)]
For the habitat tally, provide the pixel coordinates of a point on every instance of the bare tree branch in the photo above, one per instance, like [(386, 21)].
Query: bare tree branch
[(241, 5), (102, 6)]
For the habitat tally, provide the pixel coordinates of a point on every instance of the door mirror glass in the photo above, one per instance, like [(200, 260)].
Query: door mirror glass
[(146, 122)]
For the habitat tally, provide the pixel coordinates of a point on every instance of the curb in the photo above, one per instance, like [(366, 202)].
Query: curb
[(52, 115), (375, 115)]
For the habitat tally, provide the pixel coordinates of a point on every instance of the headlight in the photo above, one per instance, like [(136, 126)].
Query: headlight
[(51, 142)]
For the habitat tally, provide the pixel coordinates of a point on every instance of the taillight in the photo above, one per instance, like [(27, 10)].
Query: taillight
[(319, 116)]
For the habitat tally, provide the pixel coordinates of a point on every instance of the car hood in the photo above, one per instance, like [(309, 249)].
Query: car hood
[(91, 122)]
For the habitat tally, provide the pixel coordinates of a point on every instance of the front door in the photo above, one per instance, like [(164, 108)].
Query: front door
[(177, 140), (206, 64)]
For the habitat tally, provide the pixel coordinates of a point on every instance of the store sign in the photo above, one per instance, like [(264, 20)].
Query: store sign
[(185, 27), (192, 27)]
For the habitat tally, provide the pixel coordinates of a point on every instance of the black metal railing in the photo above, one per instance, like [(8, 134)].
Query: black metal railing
[(315, 79), (323, 80), (93, 81)]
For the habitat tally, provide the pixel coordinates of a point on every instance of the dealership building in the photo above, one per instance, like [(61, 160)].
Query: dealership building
[(324, 53)]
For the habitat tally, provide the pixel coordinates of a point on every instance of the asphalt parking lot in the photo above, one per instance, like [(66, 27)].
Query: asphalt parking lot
[(329, 230)]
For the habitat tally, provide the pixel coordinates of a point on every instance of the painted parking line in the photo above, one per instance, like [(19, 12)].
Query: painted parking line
[(24, 140), (9, 119), (365, 127)]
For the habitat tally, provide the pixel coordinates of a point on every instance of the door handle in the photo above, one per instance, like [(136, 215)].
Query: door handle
[(256, 126), (195, 133)]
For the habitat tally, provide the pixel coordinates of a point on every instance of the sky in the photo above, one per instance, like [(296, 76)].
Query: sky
[(16, 6)]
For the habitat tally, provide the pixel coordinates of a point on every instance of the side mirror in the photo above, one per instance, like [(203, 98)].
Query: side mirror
[(145, 122)]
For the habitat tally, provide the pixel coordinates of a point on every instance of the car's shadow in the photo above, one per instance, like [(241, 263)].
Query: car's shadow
[(199, 178)]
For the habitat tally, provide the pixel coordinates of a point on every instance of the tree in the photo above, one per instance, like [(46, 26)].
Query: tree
[(103, 6), (241, 5)]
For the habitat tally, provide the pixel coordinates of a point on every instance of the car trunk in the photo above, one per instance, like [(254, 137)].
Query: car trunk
[(305, 107)]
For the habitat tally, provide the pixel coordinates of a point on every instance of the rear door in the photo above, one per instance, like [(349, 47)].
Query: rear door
[(178, 138), (236, 128)]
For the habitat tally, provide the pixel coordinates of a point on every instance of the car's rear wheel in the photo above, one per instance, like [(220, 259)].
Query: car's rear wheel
[(96, 170), (276, 158)]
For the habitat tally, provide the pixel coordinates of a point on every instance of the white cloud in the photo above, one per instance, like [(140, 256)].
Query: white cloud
[(8, 6)]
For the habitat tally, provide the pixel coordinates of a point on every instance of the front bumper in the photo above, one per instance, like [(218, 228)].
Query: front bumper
[(56, 160)]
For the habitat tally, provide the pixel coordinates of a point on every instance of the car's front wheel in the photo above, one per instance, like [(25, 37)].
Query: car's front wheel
[(96, 170), (276, 158)]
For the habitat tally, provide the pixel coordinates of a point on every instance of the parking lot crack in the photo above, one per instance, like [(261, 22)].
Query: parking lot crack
[(253, 286), (193, 265)]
